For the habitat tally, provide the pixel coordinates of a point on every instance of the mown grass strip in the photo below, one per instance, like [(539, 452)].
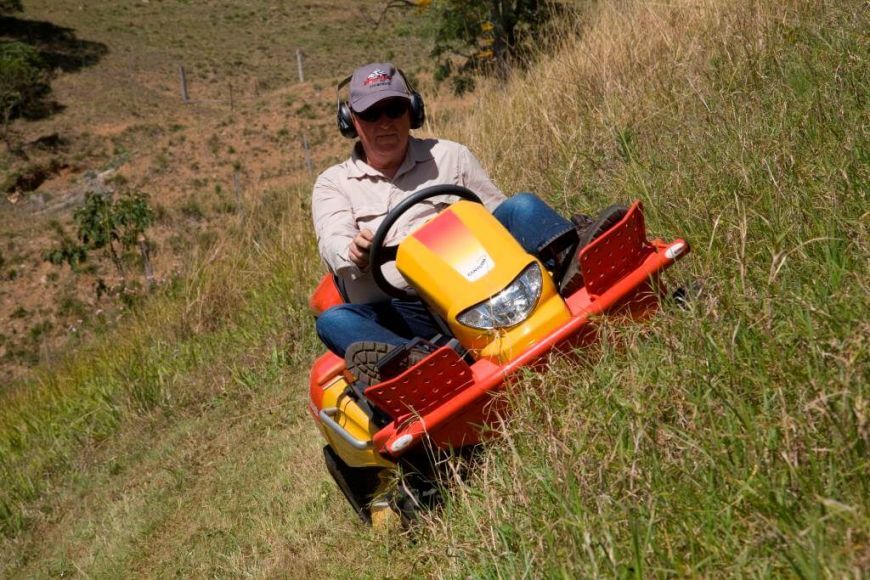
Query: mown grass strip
[(142, 369)]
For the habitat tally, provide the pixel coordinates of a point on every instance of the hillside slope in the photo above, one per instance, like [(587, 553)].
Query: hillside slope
[(120, 124), (728, 438)]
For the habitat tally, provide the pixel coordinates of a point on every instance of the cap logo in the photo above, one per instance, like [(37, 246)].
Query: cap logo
[(377, 78)]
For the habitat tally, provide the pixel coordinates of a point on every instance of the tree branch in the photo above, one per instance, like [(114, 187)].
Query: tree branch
[(394, 4)]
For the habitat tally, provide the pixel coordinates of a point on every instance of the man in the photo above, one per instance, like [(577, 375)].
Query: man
[(351, 199)]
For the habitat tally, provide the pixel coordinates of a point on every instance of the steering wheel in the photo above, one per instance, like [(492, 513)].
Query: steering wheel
[(379, 254)]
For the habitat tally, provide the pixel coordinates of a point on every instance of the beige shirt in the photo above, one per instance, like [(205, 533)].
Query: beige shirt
[(352, 195)]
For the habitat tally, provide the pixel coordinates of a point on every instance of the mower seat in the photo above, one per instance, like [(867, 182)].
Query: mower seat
[(328, 293)]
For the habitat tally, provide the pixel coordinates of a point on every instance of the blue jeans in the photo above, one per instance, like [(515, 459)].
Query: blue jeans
[(532, 222)]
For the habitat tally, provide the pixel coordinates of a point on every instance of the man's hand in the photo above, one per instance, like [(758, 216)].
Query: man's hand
[(358, 251)]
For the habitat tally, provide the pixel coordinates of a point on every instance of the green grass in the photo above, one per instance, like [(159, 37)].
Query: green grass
[(726, 439), (730, 438)]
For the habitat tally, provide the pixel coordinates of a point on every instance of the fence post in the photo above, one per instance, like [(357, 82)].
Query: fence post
[(184, 96), (299, 65), (146, 262)]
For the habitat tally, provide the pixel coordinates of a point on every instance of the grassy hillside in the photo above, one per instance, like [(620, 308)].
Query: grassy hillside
[(119, 123), (732, 437), (728, 438)]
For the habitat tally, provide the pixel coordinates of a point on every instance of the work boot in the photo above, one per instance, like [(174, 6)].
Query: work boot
[(605, 220), (581, 221), (572, 280), (384, 518), (363, 360), (588, 230)]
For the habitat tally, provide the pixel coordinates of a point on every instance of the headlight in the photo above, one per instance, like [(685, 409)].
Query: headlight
[(510, 306)]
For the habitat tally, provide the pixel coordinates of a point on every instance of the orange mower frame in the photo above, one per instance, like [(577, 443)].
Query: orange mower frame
[(446, 400)]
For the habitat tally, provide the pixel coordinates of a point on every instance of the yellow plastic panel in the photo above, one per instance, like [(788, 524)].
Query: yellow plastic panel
[(354, 421), (465, 256)]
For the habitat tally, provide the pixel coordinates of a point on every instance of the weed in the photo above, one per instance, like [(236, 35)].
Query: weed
[(103, 223), (161, 162), (214, 145), (177, 243), (70, 306), (225, 207), (118, 180), (191, 209), (38, 331), (306, 111), (19, 313), (205, 239)]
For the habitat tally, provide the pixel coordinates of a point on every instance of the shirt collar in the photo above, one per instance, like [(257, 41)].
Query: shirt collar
[(358, 168)]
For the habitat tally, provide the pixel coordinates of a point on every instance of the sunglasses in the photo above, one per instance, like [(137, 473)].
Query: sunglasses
[(393, 110)]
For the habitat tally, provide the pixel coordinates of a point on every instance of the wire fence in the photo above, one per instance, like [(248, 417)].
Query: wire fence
[(233, 93)]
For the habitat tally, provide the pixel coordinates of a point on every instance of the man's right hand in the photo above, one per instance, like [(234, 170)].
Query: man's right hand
[(358, 250)]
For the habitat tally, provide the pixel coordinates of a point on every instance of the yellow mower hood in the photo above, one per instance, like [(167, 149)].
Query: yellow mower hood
[(463, 257)]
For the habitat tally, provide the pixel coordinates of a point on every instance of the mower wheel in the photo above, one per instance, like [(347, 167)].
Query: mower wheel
[(358, 484), (415, 493)]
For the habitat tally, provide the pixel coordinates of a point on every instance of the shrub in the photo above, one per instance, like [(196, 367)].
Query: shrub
[(103, 223), (23, 82)]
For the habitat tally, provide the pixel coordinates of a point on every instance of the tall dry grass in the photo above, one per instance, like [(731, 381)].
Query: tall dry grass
[(730, 438)]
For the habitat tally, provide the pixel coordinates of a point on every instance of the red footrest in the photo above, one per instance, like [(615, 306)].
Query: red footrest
[(423, 387), (615, 254)]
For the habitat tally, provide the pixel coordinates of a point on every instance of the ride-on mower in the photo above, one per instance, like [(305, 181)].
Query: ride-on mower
[(500, 311)]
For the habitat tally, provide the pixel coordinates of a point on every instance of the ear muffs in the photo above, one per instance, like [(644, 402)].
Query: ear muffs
[(343, 114), (418, 109), (344, 117)]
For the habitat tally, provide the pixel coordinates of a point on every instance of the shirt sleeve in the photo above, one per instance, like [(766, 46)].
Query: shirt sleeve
[(334, 225), (475, 178)]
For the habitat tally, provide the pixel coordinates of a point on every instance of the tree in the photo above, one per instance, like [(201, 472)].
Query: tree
[(23, 83), (390, 4), (489, 36)]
